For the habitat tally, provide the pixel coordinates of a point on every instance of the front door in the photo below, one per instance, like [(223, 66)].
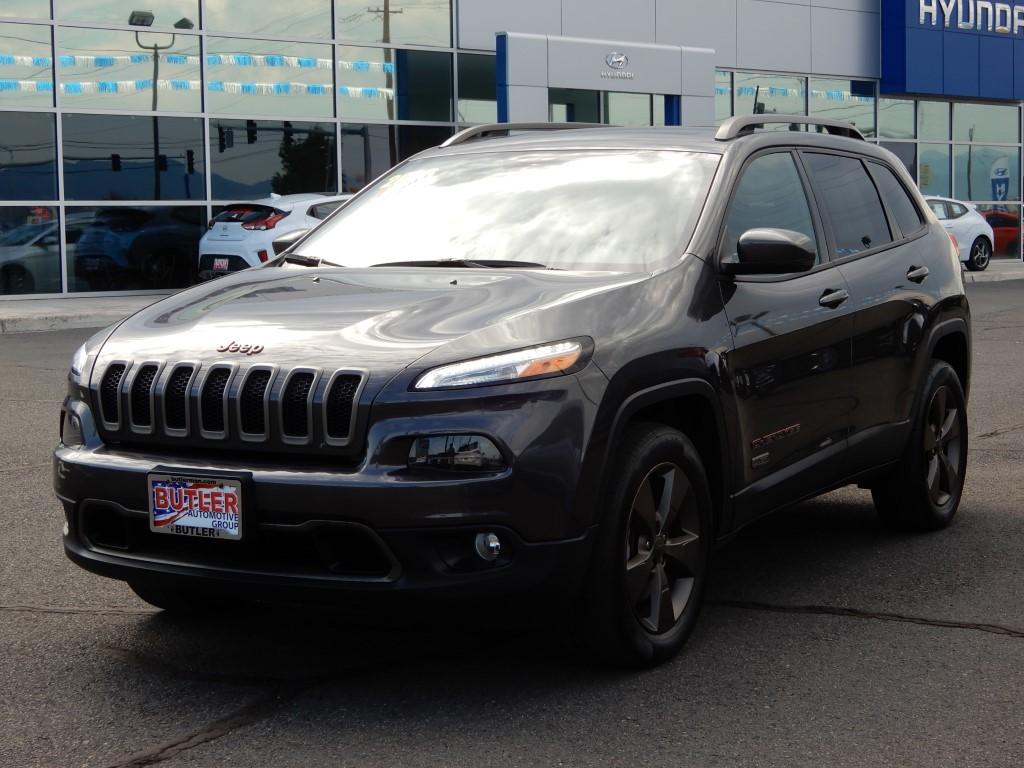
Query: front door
[(789, 366)]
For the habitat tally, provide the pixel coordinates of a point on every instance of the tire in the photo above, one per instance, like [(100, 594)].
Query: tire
[(173, 600), (923, 492), (655, 538), (16, 279), (981, 255)]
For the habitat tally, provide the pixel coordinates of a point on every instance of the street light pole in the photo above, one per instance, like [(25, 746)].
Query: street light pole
[(145, 19)]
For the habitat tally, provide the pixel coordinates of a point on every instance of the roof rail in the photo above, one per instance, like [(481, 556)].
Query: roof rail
[(503, 129), (744, 125)]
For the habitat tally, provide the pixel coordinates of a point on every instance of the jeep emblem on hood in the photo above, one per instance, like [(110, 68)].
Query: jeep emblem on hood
[(244, 349)]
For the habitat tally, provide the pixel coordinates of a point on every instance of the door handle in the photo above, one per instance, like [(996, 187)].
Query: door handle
[(833, 298), (917, 274)]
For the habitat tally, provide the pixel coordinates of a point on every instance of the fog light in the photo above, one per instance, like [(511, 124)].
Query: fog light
[(71, 430), (456, 453), (488, 546)]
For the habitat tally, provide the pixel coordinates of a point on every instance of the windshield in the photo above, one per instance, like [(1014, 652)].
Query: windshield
[(607, 210)]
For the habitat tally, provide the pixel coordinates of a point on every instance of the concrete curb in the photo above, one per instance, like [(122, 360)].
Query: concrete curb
[(36, 315), (994, 277)]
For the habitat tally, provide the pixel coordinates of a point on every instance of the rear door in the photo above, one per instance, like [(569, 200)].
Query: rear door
[(879, 239), (789, 365)]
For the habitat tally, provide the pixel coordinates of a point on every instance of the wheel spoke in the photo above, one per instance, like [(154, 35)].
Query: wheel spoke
[(672, 494), (949, 471), (933, 478), (645, 508), (950, 427), (685, 552), (638, 576), (662, 610)]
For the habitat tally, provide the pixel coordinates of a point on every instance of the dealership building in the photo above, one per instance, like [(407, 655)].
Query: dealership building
[(125, 125)]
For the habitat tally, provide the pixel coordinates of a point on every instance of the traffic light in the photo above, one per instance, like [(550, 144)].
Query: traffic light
[(115, 162), (225, 138), (250, 131), (190, 161), (161, 162)]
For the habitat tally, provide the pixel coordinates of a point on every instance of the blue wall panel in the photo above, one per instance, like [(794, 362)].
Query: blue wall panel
[(947, 60)]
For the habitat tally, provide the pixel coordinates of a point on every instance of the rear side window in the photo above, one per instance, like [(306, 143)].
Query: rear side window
[(897, 198), (851, 202), (939, 209), (323, 210), (958, 210), (770, 194)]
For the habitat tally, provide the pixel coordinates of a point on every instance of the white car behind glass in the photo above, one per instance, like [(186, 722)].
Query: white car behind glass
[(242, 235), (972, 232)]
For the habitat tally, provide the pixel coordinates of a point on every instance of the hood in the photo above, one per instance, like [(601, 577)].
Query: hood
[(380, 320)]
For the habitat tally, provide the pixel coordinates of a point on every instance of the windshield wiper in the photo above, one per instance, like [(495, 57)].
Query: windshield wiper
[(307, 261), (468, 264)]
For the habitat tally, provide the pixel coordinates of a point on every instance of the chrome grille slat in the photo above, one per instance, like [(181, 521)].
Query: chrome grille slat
[(110, 393), (141, 398), (176, 399), (253, 403), (296, 405), (213, 402)]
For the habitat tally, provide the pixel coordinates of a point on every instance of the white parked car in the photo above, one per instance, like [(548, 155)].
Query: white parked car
[(972, 231), (242, 235)]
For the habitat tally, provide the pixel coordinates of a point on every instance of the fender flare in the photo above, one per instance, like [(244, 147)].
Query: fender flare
[(946, 328), (664, 392)]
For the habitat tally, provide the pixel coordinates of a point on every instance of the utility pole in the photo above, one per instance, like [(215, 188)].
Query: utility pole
[(385, 13)]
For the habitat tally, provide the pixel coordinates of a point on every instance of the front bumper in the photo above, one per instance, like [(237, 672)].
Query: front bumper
[(309, 531)]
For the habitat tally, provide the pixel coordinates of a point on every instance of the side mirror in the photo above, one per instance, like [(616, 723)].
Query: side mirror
[(284, 242), (772, 252)]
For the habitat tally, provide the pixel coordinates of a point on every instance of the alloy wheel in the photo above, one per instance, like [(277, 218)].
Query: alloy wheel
[(980, 254), (942, 447), (663, 553)]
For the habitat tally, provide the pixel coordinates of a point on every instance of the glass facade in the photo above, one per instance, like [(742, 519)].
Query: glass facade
[(124, 128), (119, 120)]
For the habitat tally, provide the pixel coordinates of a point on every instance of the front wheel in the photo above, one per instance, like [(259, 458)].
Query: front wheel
[(923, 492), (981, 255), (644, 593)]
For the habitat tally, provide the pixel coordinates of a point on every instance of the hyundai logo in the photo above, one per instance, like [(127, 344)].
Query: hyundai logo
[(617, 60)]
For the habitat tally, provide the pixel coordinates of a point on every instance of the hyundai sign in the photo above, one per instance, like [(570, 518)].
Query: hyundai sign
[(953, 48)]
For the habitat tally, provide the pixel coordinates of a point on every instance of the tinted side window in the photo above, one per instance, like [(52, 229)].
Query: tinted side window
[(850, 201), (897, 198), (323, 210), (939, 209), (769, 194), (958, 210)]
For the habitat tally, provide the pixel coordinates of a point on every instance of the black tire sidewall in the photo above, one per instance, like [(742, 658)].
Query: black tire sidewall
[(620, 636), (973, 265)]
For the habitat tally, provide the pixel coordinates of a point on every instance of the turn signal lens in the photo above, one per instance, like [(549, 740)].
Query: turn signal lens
[(523, 364)]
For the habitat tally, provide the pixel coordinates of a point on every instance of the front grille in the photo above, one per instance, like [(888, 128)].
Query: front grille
[(230, 406), (142, 388), (176, 398), (110, 392), (295, 416), (212, 403)]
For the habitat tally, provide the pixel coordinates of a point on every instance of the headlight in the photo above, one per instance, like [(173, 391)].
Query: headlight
[(79, 364), (530, 363)]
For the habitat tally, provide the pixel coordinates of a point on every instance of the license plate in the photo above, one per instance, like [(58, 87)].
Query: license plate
[(188, 505), (220, 265)]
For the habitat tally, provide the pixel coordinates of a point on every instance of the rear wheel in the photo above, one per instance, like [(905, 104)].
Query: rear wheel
[(644, 592), (923, 492), (16, 279), (981, 255)]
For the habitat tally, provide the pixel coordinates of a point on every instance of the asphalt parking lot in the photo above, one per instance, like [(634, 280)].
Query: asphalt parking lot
[(827, 641)]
